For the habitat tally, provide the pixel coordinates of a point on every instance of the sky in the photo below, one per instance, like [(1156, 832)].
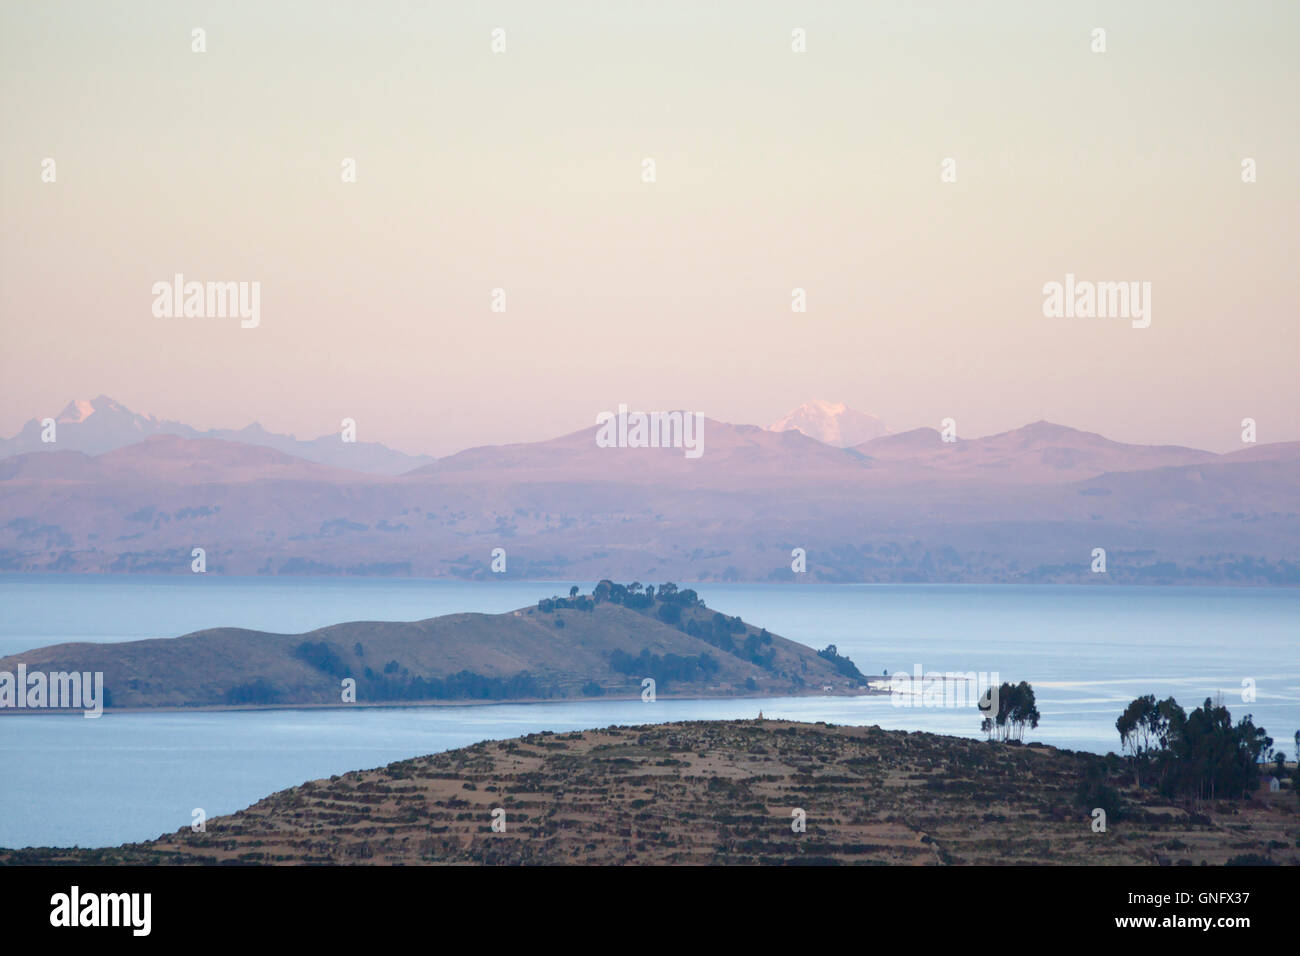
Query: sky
[(522, 170)]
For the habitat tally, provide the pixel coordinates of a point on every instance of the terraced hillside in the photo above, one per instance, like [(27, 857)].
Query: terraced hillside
[(727, 792)]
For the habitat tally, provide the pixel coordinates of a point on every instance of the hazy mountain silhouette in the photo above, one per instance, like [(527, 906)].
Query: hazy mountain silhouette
[(97, 425), (1037, 452), (1025, 505)]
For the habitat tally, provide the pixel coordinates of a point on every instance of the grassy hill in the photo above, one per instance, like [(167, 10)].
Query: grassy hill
[(725, 792), (585, 646)]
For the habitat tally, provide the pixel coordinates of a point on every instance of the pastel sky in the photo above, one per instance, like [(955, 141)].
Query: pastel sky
[(775, 170)]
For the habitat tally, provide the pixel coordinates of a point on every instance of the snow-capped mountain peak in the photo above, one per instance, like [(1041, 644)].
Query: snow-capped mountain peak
[(78, 410), (831, 422)]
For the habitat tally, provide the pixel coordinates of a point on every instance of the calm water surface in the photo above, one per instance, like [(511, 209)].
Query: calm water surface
[(1086, 650)]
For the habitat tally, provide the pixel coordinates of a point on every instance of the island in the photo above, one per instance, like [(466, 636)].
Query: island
[(608, 643)]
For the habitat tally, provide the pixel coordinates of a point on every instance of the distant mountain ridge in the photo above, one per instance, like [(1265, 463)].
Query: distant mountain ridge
[(1039, 451), (98, 425), (1028, 506)]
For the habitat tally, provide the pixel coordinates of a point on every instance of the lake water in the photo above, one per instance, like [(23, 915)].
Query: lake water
[(1087, 651)]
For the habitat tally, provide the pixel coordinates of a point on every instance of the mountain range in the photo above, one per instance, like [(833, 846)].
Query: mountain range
[(97, 425), (1027, 505)]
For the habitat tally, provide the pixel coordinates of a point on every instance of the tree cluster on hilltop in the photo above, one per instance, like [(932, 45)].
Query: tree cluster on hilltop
[(1201, 755), (679, 607), (1017, 709)]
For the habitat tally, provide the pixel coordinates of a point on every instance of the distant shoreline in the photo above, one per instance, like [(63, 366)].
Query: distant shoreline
[(16, 712)]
